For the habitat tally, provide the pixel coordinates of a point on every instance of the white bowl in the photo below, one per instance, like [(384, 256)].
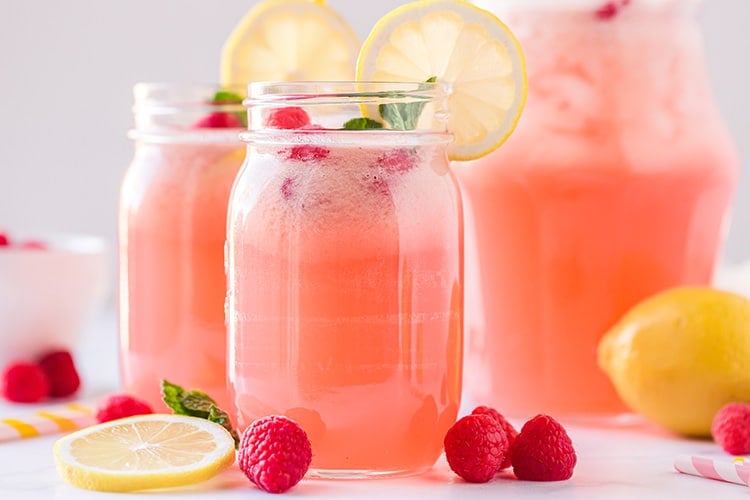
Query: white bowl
[(47, 295)]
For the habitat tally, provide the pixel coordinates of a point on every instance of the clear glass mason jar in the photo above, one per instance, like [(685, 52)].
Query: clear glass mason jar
[(345, 276), (616, 184), (172, 229)]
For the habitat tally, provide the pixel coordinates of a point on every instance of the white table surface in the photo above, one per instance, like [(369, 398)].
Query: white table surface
[(633, 460)]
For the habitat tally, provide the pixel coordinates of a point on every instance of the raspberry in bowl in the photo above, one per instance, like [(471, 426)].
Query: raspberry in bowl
[(51, 285)]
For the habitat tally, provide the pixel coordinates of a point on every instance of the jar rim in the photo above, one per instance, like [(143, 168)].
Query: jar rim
[(354, 106), (158, 98), (328, 92)]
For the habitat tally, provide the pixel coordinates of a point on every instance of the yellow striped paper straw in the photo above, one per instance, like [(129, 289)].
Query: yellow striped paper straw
[(63, 418)]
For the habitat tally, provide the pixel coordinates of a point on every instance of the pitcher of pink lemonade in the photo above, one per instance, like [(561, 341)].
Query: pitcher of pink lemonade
[(172, 225), (345, 273), (616, 184)]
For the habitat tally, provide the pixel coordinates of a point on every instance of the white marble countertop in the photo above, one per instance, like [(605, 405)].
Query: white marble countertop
[(632, 460)]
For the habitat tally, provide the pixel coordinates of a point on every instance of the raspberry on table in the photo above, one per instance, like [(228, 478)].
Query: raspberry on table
[(730, 428), (61, 372), (543, 451), (475, 447), (119, 406), (291, 117), (4, 240), (510, 431), (24, 382), (274, 453)]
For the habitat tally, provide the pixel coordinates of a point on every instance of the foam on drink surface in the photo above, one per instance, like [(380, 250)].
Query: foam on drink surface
[(354, 199)]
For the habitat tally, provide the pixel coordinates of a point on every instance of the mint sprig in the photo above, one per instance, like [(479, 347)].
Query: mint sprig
[(195, 403), (403, 115), (362, 124), (227, 97), (399, 115)]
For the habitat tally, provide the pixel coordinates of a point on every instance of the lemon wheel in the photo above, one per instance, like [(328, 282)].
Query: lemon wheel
[(144, 452), (285, 40), (463, 46)]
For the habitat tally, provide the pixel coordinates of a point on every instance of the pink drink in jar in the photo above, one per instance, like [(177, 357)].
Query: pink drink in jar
[(616, 185), (345, 279), (173, 209)]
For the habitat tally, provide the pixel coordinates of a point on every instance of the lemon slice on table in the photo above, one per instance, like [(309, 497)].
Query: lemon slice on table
[(285, 40), (144, 452), (461, 45)]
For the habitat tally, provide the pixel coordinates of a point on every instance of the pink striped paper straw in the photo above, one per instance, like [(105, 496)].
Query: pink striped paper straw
[(729, 469), (63, 418)]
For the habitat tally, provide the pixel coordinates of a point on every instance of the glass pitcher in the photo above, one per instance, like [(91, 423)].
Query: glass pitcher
[(616, 184)]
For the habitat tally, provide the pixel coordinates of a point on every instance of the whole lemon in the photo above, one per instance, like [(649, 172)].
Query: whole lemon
[(680, 355)]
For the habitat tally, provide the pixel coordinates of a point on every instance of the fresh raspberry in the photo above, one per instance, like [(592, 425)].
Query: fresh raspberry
[(219, 120), (510, 431), (731, 428), (288, 118), (475, 447), (61, 373), (398, 160), (308, 152), (274, 453), (24, 382), (4, 240), (543, 451), (120, 406)]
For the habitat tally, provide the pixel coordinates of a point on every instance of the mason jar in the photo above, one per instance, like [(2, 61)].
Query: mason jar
[(172, 228), (345, 292), (616, 185)]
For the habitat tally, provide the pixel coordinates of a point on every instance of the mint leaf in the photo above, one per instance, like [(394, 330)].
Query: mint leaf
[(182, 402), (404, 116), (227, 97), (172, 396), (219, 416), (362, 124), (198, 404)]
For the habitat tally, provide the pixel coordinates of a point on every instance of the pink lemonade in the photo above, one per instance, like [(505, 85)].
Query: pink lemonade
[(172, 283), (345, 303), (615, 185)]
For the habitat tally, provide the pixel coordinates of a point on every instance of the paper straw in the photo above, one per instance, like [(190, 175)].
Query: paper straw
[(732, 470), (64, 418)]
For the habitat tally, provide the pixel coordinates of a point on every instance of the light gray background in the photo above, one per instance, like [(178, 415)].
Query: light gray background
[(67, 69)]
